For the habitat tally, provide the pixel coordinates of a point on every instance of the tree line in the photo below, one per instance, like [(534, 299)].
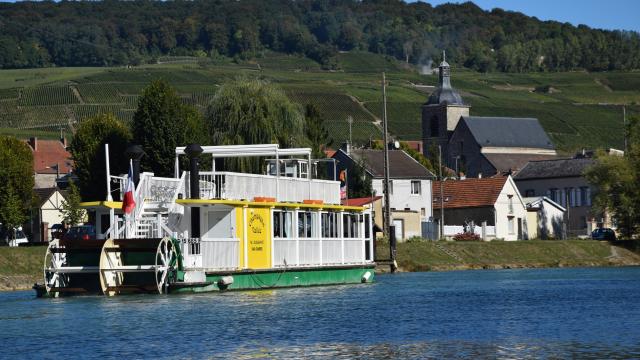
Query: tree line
[(39, 34)]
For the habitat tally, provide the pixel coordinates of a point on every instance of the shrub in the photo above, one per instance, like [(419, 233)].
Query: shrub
[(466, 236)]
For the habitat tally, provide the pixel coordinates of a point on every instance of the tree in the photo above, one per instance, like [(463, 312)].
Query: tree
[(72, 213), (359, 182), (162, 123), (254, 112), (615, 179), (87, 151), (16, 190), (315, 130)]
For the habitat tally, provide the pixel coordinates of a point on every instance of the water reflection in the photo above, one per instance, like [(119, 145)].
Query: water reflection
[(506, 314)]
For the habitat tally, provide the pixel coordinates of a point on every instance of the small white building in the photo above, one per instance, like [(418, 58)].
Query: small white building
[(545, 218), (494, 201), (48, 211)]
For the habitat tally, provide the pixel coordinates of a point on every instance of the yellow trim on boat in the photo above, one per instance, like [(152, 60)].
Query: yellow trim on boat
[(200, 202), (105, 204)]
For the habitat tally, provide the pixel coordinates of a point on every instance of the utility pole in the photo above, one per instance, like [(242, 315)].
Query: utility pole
[(624, 122), (441, 193), (385, 183), (350, 121)]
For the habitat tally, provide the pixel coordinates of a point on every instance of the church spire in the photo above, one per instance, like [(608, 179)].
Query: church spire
[(444, 74)]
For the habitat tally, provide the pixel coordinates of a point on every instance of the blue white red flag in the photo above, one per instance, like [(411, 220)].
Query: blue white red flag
[(129, 203)]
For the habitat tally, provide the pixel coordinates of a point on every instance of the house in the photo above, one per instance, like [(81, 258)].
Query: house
[(409, 186), (494, 201), (563, 181), (475, 145), (47, 211), (51, 161), (545, 218)]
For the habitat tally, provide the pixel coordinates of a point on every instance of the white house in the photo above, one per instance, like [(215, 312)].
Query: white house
[(545, 218), (495, 201), (409, 187), (48, 211)]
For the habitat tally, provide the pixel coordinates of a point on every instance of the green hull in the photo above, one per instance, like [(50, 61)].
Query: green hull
[(278, 278)]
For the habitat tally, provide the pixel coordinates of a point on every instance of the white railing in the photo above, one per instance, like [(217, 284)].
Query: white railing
[(237, 186), (293, 252), (211, 253)]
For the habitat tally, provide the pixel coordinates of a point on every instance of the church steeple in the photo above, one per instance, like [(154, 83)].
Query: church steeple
[(444, 93), (444, 73)]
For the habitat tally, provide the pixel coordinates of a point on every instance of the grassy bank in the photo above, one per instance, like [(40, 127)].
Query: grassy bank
[(20, 267), (444, 255)]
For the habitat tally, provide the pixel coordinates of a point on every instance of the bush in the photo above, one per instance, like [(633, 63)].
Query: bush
[(466, 236)]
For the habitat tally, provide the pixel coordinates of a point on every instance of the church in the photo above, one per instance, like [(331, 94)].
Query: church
[(478, 146)]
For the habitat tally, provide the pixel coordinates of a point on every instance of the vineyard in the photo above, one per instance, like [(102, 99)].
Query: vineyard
[(577, 109)]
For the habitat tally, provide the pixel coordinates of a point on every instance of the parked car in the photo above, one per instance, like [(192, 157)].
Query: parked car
[(13, 237), (84, 232), (603, 234)]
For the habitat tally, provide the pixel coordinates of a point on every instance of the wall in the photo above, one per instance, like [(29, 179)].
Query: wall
[(462, 144), (402, 199), (503, 213), (578, 215), (45, 180)]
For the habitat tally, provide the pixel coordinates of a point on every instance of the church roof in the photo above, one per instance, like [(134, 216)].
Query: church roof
[(448, 96), (508, 132)]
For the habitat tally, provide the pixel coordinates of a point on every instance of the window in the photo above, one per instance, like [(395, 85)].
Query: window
[(585, 196), (510, 204), (367, 226), (529, 193), (282, 224), (351, 225), (510, 224), (416, 187), (329, 225), (423, 212), (306, 222), (391, 187)]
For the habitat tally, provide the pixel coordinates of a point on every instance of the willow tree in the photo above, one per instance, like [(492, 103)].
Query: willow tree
[(254, 112)]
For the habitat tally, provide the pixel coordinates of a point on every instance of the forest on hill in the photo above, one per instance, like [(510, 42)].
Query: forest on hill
[(111, 33)]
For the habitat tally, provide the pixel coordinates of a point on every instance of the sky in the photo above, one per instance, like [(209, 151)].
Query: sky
[(601, 14)]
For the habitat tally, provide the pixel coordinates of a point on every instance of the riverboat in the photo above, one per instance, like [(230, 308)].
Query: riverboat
[(202, 231)]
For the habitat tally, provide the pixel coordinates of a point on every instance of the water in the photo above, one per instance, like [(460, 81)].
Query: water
[(543, 313)]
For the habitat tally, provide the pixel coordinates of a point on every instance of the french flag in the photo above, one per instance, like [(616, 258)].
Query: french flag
[(128, 203)]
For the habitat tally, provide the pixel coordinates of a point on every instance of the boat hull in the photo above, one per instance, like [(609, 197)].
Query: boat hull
[(278, 278)]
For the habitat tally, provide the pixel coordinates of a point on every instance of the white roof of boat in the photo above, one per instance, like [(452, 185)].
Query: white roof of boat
[(249, 151)]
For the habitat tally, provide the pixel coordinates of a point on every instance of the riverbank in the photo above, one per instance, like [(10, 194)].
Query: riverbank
[(449, 255), (20, 268)]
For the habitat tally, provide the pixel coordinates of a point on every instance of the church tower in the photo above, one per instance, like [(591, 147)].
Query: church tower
[(441, 112)]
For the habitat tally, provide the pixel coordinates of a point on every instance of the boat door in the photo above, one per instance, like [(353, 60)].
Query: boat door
[(399, 228)]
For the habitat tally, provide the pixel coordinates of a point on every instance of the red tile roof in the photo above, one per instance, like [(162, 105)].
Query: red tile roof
[(469, 192), (47, 154), (360, 201)]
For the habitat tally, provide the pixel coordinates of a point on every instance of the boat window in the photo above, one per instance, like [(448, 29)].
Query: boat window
[(282, 224), (351, 225), (329, 225), (367, 226)]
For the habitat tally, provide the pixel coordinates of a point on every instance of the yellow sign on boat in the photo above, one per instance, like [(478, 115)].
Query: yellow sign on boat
[(259, 238)]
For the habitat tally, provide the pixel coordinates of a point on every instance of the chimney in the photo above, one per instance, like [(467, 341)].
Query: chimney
[(33, 142), (479, 175)]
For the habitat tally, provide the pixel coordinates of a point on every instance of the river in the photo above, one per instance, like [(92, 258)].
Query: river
[(537, 313)]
